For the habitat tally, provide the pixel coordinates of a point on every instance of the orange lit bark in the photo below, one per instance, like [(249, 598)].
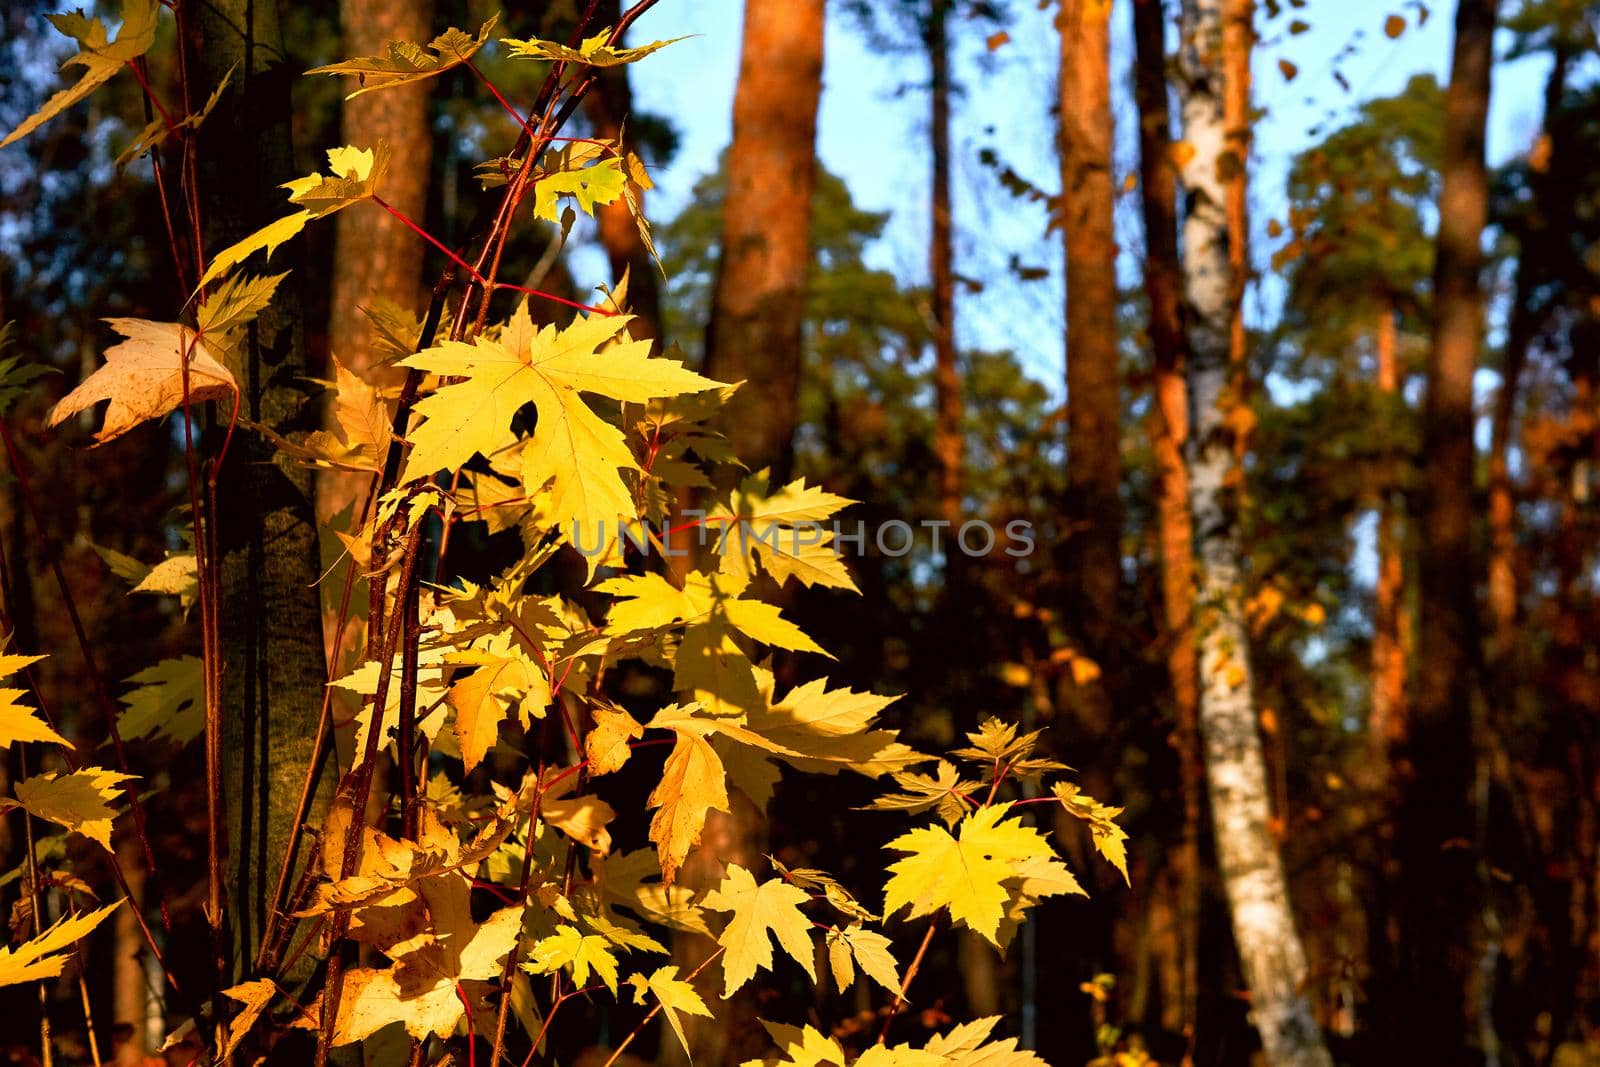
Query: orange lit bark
[(758, 305)]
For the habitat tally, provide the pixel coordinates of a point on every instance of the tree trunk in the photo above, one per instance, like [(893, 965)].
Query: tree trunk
[(1169, 432), (1094, 408), (1436, 814), (266, 531), (756, 335), (947, 437), (130, 995), (1503, 593), (1390, 622), (608, 107), (758, 305), (1269, 946), (375, 256)]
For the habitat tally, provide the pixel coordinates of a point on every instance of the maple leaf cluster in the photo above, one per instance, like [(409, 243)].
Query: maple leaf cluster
[(572, 436)]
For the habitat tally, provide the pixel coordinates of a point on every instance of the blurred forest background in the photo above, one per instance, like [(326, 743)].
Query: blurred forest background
[(992, 268)]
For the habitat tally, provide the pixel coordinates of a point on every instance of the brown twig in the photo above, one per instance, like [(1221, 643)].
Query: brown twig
[(905, 983), (653, 1012)]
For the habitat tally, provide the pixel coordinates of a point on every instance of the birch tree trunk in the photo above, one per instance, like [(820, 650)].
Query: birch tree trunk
[(1264, 931)]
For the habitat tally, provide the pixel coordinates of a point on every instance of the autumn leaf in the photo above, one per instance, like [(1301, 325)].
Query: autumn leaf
[(18, 722), (857, 946), (784, 530), (1110, 840), (421, 989), (100, 57), (253, 998), (588, 173), (80, 801), (168, 700), (360, 436), (592, 51), (236, 302), (573, 450), (606, 744), (143, 377), (965, 873), (674, 995), (354, 174), (39, 958), (570, 947), (583, 818), (693, 782), (503, 680), (771, 908), (968, 1045), (408, 62), (945, 791)]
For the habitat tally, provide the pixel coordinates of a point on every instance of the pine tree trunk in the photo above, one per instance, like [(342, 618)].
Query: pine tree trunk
[(1391, 621), (376, 257), (1436, 813), (1252, 873), (1169, 433), (1503, 591), (947, 437), (1094, 408), (758, 305), (756, 335), (271, 633), (609, 106)]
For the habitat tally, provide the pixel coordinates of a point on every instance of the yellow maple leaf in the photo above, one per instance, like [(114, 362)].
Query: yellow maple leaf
[(408, 62), (36, 959), (570, 947), (573, 450), (857, 946), (606, 744), (18, 722), (254, 998), (504, 679), (673, 994), (693, 782), (359, 441), (80, 801), (966, 873), (143, 377), (100, 57), (1110, 840), (771, 908)]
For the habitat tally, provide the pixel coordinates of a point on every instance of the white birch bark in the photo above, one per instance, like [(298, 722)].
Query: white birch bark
[(1270, 950)]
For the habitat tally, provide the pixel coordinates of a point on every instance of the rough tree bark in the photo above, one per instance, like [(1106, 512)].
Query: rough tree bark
[(1391, 620), (1503, 585), (756, 328), (1094, 409), (1436, 811), (375, 256), (758, 305), (271, 635), (1169, 433), (1269, 946), (947, 437)]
